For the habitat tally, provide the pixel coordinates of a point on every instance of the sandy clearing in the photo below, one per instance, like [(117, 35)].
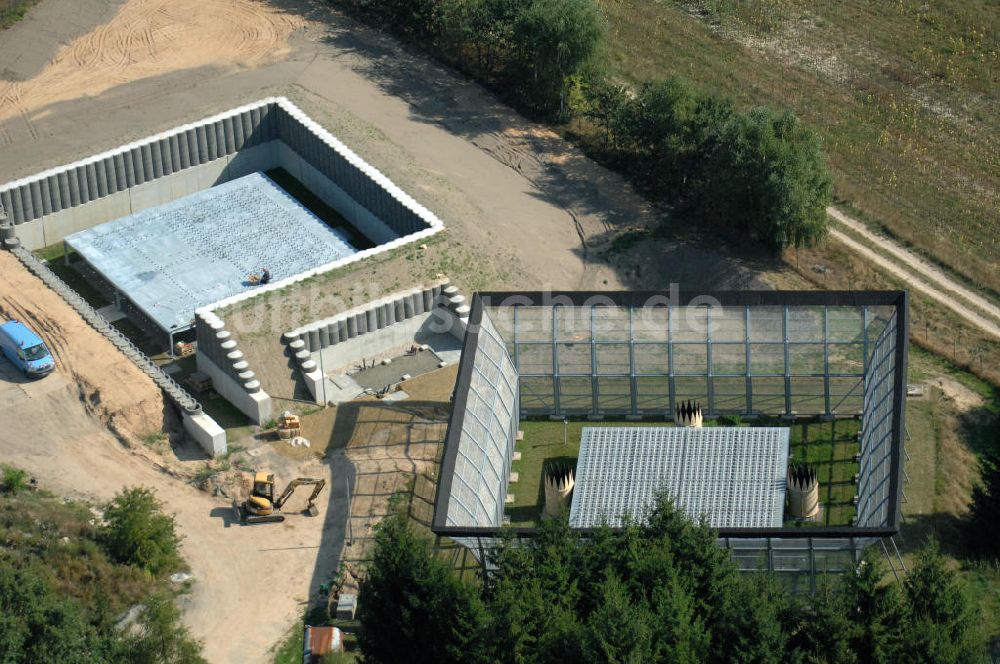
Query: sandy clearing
[(149, 37), (918, 265), (113, 388), (929, 289)]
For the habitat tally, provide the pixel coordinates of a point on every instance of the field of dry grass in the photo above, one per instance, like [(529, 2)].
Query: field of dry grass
[(902, 93)]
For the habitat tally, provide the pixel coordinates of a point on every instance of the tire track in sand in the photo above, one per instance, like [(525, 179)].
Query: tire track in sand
[(918, 273), (150, 38)]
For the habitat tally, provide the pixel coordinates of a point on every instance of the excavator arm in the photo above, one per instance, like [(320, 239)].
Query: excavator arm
[(295, 484)]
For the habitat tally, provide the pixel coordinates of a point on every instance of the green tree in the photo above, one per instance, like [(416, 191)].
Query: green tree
[(551, 40), (984, 524), (420, 20), (39, 627), (941, 627), (620, 630), (769, 180), (878, 610), (826, 626), (413, 608), (137, 532)]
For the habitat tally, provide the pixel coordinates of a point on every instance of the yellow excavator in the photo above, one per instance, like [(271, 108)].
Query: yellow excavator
[(262, 507)]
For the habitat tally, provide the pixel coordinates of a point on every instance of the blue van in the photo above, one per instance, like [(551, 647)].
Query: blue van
[(25, 349)]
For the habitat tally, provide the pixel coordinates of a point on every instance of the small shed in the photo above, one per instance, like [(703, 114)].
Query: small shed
[(319, 641)]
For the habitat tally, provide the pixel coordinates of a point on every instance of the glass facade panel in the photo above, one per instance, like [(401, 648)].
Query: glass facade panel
[(730, 395), (729, 324), (695, 389), (613, 358), (650, 323), (614, 394), (651, 358), (653, 394), (691, 359), (805, 358), (576, 394), (768, 395), (534, 358), (537, 394), (767, 323), (611, 323), (690, 323), (729, 359), (767, 359), (808, 396), (574, 358)]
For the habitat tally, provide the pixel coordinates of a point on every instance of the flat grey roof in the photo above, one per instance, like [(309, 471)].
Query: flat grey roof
[(171, 259), (735, 476)]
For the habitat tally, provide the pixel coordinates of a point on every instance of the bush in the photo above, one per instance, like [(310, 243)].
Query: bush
[(12, 480), (138, 533)]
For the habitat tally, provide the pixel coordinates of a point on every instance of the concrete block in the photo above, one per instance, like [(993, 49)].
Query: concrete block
[(206, 432), (513, 478), (517, 456)]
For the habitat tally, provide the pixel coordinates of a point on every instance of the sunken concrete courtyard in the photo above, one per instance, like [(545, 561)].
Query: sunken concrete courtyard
[(176, 227)]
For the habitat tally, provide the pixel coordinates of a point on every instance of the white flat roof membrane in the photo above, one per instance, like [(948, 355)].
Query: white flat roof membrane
[(171, 259), (735, 476)]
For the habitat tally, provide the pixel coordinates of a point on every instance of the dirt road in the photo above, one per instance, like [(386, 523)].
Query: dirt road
[(918, 274)]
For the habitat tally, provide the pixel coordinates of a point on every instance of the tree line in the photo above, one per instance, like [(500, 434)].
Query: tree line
[(659, 591), (759, 174)]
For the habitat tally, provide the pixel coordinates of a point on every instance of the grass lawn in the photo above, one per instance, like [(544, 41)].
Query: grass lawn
[(831, 446)]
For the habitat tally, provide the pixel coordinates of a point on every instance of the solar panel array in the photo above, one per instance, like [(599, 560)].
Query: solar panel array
[(733, 476)]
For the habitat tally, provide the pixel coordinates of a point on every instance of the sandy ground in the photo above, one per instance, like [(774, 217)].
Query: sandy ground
[(523, 209), (108, 385)]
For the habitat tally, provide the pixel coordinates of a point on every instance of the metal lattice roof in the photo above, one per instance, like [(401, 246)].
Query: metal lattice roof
[(173, 258), (735, 476)]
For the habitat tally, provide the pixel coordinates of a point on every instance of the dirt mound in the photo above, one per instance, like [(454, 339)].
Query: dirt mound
[(148, 38), (111, 388)]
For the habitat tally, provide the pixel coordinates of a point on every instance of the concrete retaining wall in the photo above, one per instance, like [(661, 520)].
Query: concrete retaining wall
[(220, 359), (46, 207), (338, 342)]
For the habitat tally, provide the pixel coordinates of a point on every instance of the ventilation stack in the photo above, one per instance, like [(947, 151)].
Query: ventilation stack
[(803, 491), (558, 488), (688, 414)]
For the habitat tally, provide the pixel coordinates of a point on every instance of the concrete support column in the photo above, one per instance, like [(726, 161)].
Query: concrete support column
[(324, 336), (372, 316), (313, 339), (352, 328), (342, 329), (399, 310)]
